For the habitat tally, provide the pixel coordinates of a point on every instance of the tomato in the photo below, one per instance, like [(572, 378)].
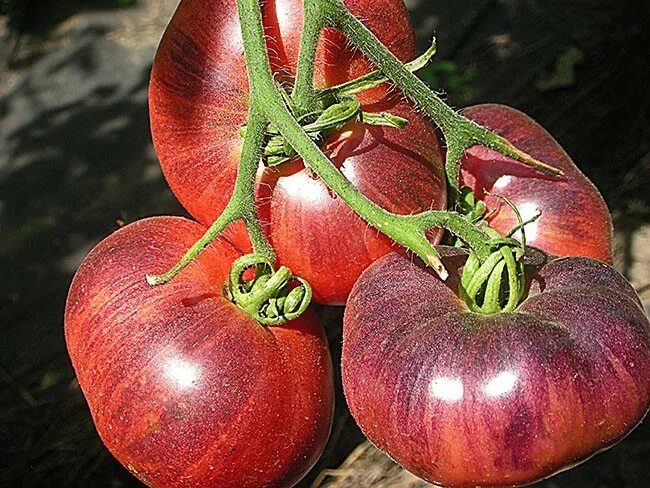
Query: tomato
[(574, 221), (199, 100), (463, 399), (184, 388)]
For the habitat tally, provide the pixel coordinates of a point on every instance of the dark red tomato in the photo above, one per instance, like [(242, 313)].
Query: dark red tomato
[(575, 220), (199, 100), (184, 388), (465, 400)]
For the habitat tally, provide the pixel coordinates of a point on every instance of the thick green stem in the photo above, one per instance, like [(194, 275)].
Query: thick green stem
[(304, 94), (240, 206)]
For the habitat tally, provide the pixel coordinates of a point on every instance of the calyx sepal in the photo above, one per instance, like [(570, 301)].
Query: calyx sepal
[(272, 297), (498, 283)]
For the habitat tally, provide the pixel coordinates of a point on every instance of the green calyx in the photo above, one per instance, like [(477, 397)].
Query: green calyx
[(270, 297), (318, 125), (498, 283)]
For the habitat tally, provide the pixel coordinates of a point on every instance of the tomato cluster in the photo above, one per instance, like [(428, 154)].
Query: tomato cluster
[(186, 389)]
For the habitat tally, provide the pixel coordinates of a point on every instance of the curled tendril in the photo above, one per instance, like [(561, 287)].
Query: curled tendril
[(271, 297), (497, 284)]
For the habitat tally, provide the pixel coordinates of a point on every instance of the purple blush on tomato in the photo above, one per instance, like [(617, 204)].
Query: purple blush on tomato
[(463, 399)]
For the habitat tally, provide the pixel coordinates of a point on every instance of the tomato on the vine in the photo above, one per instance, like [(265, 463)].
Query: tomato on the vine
[(185, 388), (199, 102), (468, 399), (574, 218)]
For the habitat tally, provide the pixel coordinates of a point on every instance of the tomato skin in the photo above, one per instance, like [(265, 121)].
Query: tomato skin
[(184, 388), (574, 221), (199, 100), (461, 399)]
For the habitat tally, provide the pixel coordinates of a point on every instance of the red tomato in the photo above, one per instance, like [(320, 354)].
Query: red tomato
[(199, 100), (184, 388), (463, 399), (575, 220)]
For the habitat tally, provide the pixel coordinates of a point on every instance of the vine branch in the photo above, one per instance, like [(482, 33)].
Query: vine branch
[(460, 133), (268, 103), (408, 231), (241, 204)]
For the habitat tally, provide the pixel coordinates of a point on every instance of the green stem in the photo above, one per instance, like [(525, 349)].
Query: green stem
[(406, 230), (240, 206), (460, 132), (393, 68), (304, 94)]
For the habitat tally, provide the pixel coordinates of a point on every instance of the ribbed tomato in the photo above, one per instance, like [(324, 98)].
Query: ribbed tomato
[(199, 101), (574, 221), (184, 388), (463, 399)]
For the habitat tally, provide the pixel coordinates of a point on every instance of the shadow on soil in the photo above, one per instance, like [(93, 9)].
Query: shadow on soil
[(76, 162)]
